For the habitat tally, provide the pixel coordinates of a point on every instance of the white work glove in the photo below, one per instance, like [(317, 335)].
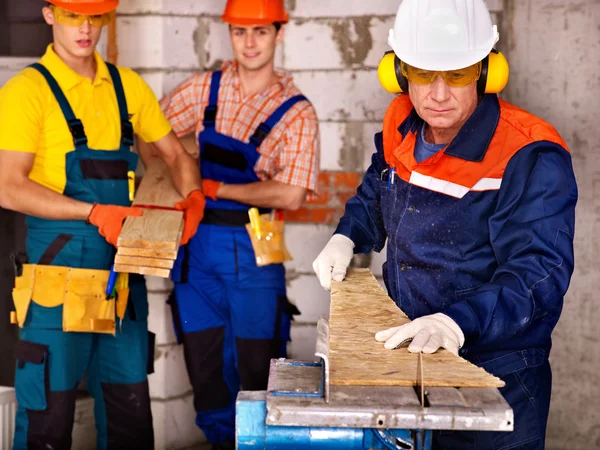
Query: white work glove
[(428, 334), (334, 259)]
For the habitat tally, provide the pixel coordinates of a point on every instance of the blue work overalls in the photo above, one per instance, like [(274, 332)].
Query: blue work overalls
[(51, 362), (231, 315)]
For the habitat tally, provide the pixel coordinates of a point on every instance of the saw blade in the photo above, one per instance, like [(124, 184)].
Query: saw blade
[(420, 384)]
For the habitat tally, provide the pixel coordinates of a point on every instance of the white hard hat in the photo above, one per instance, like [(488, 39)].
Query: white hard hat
[(443, 34)]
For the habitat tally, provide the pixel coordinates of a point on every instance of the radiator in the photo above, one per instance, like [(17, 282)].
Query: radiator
[(8, 410)]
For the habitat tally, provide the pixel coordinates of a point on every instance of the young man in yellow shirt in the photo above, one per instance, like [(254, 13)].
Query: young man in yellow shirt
[(66, 129)]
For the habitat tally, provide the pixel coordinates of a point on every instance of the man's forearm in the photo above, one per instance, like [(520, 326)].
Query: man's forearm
[(185, 173), (31, 198), (264, 194), (184, 169)]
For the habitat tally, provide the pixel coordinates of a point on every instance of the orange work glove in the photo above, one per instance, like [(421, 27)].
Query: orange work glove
[(109, 219), (210, 188), (193, 212)]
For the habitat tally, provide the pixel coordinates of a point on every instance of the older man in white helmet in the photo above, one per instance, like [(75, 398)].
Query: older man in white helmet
[(476, 199)]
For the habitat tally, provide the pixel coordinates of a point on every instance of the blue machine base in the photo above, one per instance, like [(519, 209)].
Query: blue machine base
[(252, 432)]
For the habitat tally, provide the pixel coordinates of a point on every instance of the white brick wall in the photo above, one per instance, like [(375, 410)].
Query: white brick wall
[(305, 242), (344, 95), (309, 9), (174, 424), (347, 145)]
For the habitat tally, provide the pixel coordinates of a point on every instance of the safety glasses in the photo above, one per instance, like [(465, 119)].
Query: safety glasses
[(453, 78), (72, 19)]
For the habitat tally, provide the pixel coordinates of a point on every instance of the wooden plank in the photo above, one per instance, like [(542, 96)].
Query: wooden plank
[(156, 229), (153, 271), (359, 309), (147, 253), (145, 262), (156, 187)]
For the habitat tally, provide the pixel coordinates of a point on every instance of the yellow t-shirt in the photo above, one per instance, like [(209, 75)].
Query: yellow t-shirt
[(31, 120)]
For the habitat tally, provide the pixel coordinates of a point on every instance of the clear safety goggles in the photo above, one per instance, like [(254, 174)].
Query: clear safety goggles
[(453, 78), (72, 19)]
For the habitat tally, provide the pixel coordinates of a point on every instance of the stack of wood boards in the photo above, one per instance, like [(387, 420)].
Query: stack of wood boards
[(148, 244), (359, 309)]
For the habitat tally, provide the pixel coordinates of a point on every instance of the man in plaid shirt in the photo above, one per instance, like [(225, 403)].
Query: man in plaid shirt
[(258, 147)]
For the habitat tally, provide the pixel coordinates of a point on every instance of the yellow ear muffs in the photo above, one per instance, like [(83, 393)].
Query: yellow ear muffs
[(494, 74), (390, 74)]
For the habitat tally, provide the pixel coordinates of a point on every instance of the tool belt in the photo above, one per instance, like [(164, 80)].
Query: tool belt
[(82, 292)]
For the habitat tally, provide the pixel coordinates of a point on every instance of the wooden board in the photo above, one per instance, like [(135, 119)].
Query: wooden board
[(156, 229), (145, 262), (359, 309), (153, 271), (156, 187), (147, 253)]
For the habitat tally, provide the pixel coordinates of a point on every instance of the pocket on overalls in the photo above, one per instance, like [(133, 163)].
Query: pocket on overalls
[(50, 285), (44, 285), (528, 386), (31, 375), (86, 308), (22, 300), (23, 293)]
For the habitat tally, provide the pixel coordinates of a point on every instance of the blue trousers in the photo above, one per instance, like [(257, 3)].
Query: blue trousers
[(232, 318), (51, 363), (528, 386)]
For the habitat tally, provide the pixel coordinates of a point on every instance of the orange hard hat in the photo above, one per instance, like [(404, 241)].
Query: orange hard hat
[(89, 7), (254, 12)]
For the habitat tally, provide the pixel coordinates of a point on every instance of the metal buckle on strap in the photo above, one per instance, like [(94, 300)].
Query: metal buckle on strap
[(127, 133), (78, 132), (260, 134)]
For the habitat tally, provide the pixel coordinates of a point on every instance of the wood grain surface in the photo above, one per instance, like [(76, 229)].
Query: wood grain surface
[(359, 309), (157, 229), (144, 262), (153, 271), (147, 253)]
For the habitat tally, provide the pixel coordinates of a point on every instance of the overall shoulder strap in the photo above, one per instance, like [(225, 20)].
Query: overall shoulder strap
[(75, 125), (126, 126), (265, 128), (210, 112)]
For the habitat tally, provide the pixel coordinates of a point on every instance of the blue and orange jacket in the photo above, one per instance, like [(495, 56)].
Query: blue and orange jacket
[(481, 231)]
